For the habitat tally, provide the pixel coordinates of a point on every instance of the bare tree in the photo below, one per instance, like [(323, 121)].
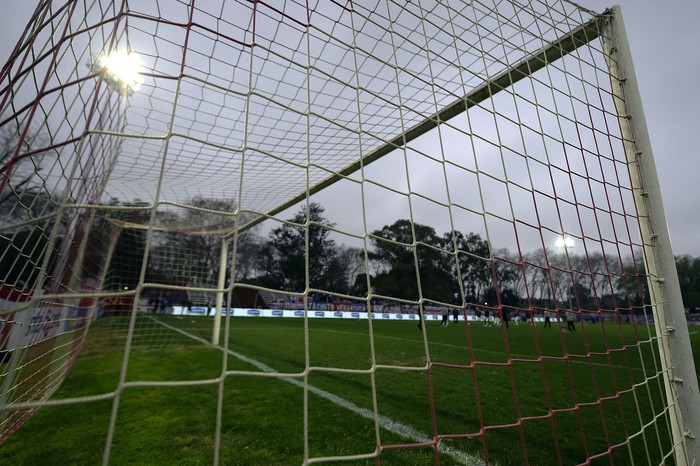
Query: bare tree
[(24, 194), (188, 251)]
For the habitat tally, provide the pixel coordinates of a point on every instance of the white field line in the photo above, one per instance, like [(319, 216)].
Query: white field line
[(384, 422), (480, 350), (476, 350)]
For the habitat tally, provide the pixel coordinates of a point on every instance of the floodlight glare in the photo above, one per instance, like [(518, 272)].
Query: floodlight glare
[(564, 242), (122, 70)]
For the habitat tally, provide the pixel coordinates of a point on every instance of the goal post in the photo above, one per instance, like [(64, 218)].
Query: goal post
[(680, 379), (425, 232)]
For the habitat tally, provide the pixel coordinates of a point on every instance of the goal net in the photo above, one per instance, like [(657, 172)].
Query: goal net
[(401, 232)]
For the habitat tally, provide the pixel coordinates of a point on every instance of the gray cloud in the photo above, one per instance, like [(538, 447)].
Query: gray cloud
[(665, 65)]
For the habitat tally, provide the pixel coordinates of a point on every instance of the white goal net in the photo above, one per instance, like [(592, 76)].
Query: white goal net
[(300, 232)]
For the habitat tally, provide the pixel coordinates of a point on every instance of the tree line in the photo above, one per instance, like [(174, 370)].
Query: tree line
[(404, 260)]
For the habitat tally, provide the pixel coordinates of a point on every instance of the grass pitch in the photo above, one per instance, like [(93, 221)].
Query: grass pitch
[(509, 397)]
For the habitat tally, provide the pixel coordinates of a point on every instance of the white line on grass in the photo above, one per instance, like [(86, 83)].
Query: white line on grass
[(481, 350), (384, 422)]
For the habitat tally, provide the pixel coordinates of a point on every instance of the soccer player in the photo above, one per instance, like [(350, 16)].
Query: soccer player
[(445, 317), (570, 318), (547, 320)]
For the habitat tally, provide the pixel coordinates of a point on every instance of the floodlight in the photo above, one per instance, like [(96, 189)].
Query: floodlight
[(122, 71), (564, 242)]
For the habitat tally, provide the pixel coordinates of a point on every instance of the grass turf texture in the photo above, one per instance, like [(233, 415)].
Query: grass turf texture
[(585, 404)]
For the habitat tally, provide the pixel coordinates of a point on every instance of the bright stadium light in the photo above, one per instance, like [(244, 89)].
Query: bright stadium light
[(564, 242), (441, 141), (122, 71)]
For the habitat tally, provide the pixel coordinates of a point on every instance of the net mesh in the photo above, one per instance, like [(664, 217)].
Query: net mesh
[(378, 161)]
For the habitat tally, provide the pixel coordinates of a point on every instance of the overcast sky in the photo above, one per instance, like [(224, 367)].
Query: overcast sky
[(664, 42)]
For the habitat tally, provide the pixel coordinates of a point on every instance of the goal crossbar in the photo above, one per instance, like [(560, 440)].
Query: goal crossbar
[(527, 66)]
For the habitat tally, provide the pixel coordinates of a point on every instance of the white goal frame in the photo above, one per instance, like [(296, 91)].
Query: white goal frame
[(106, 137)]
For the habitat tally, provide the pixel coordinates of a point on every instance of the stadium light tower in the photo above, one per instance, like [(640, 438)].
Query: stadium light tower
[(122, 71), (565, 243)]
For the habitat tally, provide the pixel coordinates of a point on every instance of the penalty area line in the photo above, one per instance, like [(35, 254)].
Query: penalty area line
[(483, 350), (384, 422)]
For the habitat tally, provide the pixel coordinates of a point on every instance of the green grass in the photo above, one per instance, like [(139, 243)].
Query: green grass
[(531, 410)]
